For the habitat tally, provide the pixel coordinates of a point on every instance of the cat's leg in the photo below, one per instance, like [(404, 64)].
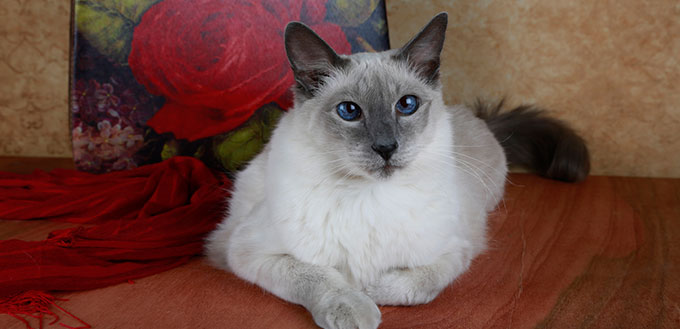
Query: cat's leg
[(416, 285), (322, 290)]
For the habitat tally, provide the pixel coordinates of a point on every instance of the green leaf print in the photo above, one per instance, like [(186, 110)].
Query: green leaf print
[(237, 147), (108, 24)]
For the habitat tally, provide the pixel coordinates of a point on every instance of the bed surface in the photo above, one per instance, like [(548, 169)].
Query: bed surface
[(603, 253)]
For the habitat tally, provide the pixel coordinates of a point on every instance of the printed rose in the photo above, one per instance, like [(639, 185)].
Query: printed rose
[(216, 62)]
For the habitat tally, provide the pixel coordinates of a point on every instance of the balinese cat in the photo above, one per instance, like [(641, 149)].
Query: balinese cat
[(372, 190)]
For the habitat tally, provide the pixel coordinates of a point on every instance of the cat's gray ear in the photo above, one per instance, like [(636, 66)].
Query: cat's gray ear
[(423, 51), (310, 57)]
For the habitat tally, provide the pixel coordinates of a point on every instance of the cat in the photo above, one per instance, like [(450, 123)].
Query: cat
[(371, 189)]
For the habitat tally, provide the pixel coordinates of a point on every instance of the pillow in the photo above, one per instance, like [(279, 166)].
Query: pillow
[(209, 79)]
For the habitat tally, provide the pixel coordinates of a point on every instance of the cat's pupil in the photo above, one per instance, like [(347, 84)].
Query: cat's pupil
[(407, 105), (406, 101), (348, 111)]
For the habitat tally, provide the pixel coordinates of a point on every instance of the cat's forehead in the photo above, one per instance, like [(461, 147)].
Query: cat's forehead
[(372, 73)]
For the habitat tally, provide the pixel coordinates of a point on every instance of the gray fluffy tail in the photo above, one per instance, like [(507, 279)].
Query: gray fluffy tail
[(533, 140)]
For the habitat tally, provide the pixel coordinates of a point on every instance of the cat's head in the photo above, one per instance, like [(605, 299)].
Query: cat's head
[(369, 113)]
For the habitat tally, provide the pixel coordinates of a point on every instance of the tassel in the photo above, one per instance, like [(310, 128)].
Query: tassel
[(35, 304)]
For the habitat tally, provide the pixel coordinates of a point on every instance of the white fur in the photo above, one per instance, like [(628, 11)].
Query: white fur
[(429, 216)]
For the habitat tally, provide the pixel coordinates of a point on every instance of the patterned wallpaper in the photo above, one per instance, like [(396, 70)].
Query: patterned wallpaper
[(611, 68), (34, 48)]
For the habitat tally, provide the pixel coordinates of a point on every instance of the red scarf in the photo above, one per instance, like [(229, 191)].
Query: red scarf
[(133, 224)]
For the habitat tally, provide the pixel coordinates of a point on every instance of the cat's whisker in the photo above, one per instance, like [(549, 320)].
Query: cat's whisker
[(474, 168), (472, 171), (339, 165), (490, 180), (446, 167), (471, 146), (451, 154), (485, 164)]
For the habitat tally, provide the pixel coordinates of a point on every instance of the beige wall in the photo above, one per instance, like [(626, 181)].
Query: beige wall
[(34, 43), (611, 68)]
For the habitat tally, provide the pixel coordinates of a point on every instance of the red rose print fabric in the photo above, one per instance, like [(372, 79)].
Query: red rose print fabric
[(217, 61)]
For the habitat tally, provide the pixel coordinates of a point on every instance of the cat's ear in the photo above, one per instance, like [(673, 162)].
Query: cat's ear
[(310, 57), (423, 51)]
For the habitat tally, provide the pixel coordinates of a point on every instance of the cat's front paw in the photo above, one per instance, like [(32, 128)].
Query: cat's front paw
[(404, 287), (346, 309)]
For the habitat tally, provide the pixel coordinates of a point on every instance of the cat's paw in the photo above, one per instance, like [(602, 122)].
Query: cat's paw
[(346, 309), (404, 287)]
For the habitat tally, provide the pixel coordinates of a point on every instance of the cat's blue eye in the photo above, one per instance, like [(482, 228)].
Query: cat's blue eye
[(348, 111), (407, 105)]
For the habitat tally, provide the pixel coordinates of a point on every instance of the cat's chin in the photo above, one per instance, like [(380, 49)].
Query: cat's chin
[(385, 171)]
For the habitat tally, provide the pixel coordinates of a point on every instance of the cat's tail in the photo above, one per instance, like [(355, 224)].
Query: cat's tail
[(540, 143)]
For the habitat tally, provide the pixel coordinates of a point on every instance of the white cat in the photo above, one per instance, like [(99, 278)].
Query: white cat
[(372, 190)]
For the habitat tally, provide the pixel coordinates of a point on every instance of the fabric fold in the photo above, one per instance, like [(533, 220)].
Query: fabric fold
[(129, 224)]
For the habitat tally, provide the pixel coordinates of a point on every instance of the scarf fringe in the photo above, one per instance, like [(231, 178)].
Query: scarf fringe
[(35, 304), (129, 225)]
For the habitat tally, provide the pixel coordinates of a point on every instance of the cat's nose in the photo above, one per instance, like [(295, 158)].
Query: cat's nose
[(385, 149)]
